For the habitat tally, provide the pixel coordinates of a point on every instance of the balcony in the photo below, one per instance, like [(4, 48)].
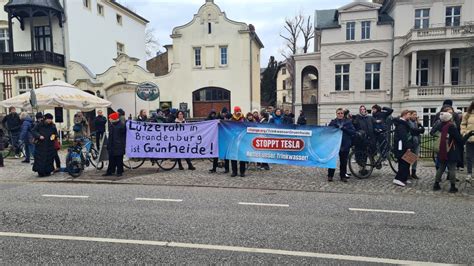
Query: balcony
[(439, 92), (436, 32), (32, 57)]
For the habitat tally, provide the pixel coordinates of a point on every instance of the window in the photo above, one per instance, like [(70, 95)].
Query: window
[(86, 3), (209, 28), (211, 95), (197, 56), (453, 16), (422, 72), (284, 84), (3, 40), (119, 19), (429, 115), (42, 38), (372, 76), (25, 84), (223, 56), (350, 31), (342, 77), (120, 48), (100, 9), (422, 18), (283, 71), (284, 99), (365, 30)]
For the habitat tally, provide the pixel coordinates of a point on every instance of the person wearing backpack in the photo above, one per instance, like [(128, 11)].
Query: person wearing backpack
[(450, 142), (81, 127), (467, 128)]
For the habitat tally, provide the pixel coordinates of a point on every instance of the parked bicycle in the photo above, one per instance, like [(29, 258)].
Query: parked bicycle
[(81, 155), (362, 162), (163, 164)]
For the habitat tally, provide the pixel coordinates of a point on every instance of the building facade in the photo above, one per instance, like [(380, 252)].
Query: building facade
[(369, 53), (40, 39), (214, 62)]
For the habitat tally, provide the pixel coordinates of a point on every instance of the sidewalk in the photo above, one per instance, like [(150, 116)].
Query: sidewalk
[(280, 177)]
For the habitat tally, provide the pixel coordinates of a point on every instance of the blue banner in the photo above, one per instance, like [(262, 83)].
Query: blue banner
[(280, 144)]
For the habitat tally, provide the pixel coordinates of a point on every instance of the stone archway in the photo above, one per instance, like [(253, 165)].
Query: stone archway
[(309, 93)]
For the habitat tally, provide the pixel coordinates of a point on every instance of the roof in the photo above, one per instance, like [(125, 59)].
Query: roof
[(50, 4), (114, 2), (385, 18), (326, 19)]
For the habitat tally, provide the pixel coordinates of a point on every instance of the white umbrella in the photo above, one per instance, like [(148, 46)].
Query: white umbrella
[(58, 94)]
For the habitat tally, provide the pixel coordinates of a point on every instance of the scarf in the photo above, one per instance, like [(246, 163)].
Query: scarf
[(443, 147), (238, 118)]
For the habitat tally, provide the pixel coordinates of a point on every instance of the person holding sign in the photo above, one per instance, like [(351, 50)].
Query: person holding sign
[(403, 142), (237, 117), (348, 131), (116, 145), (180, 120)]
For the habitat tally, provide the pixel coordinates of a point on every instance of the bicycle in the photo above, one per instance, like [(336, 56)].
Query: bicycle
[(80, 156), (163, 164), (363, 161), (9, 148)]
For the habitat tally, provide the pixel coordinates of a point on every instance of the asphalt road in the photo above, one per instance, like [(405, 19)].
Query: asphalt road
[(92, 224)]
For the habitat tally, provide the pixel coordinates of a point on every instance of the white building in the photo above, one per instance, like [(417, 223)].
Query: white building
[(392, 55), (214, 62)]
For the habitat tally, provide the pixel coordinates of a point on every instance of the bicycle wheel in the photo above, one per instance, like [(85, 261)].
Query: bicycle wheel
[(75, 169), (167, 164), (133, 163), (393, 161), (94, 155), (360, 164)]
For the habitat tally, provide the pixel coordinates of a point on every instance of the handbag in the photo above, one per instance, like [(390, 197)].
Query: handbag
[(57, 145)]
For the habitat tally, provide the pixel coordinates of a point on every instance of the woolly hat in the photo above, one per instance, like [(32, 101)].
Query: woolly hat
[(237, 109), (224, 110), (255, 111), (114, 117), (448, 102), (445, 116), (48, 116)]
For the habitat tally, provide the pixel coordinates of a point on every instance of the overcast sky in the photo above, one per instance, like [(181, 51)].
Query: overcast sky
[(267, 16)]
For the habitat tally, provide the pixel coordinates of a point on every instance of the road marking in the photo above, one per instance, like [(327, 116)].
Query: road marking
[(386, 211), (151, 199), (264, 204), (220, 248), (65, 196)]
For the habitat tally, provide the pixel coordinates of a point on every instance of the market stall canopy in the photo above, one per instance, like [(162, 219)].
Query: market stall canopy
[(58, 94)]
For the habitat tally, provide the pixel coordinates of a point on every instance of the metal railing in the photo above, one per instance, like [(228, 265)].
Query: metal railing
[(32, 57)]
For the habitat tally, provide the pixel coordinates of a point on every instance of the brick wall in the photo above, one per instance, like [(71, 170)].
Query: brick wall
[(158, 65)]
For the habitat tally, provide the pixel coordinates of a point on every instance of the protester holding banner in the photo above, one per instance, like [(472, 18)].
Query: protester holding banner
[(301, 119), (250, 118), (238, 117), (142, 117), (116, 145), (256, 115), (403, 142), (180, 120), (264, 117), (348, 131), (288, 118), (277, 117), (215, 161)]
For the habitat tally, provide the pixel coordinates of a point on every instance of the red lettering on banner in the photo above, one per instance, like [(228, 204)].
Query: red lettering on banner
[(279, 144)]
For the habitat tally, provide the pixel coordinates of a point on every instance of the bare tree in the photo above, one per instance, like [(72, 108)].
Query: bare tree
[(293, 31), (308, 33), (152, 46)]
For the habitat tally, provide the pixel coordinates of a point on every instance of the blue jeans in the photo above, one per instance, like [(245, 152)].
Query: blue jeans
[(15, 139), (29, 151)]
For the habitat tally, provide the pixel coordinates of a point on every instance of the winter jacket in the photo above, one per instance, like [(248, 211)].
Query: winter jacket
[(288, 120), (467, 125), (403, 139), (99, 123), (26, 128), (116, 140), (416, 131), (44, 149), (277, 120), (348, 131), (454, 154), (301, 120), (365, 123), (380, 119), (12, 123), (236, 118)]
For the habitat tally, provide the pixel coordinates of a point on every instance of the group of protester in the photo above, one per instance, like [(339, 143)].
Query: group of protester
[(40, 137)]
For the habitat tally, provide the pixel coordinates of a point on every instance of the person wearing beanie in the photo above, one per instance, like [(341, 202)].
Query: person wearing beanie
[(45, 134), (237, 116), (450, 141), (116, 145)]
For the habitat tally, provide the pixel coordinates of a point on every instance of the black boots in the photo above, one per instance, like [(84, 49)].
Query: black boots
[(453, 189), (413, 174), (436, 186)]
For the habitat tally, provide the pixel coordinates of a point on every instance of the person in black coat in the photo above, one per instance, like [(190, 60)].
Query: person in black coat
[(116, 145), (99, 123), (364, 126), (348, 131), (45, 134), (301, 119), (12, 123), (403, 142)]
